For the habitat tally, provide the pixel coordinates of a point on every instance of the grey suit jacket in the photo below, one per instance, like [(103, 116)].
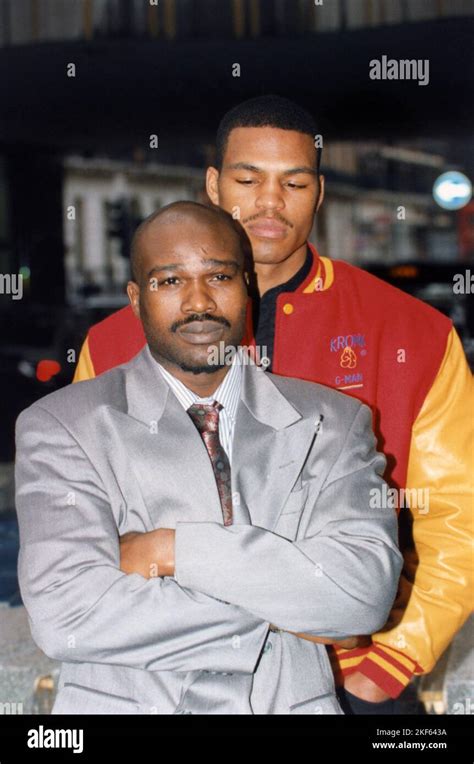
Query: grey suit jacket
[(100, 458)]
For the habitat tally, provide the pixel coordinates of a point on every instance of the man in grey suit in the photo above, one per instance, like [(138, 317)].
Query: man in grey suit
[(252, 492)]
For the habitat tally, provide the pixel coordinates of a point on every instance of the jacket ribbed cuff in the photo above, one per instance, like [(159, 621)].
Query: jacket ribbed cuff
[(390, 669)]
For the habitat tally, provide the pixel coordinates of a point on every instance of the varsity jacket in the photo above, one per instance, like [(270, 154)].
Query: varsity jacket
[(347, 329)]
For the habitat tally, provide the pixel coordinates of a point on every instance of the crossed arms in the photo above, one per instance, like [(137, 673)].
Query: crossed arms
[(229, 583), (151, 554)]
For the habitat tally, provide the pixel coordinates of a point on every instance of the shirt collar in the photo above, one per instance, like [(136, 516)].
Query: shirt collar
[(227, 394)]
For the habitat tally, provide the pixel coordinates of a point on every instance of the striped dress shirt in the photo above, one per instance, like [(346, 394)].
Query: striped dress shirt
[(227, 394)]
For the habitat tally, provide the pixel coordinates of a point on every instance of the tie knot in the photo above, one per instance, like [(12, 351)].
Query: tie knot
[(205, 416)]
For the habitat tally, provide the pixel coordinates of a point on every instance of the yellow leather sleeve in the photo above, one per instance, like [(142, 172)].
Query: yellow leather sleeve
[(85, 367), (438, 585)]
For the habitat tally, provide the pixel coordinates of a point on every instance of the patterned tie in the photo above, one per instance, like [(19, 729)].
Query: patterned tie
[(206, 419)]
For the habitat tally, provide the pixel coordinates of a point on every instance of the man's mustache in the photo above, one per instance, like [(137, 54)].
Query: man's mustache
[(200, 317), (279, 219)]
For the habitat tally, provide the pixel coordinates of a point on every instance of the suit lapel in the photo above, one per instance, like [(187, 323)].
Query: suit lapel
[(170, 460), (271, 442)]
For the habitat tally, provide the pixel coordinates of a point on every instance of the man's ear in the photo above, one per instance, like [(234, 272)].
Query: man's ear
[(321, 194), (133, 292), (212, 189)]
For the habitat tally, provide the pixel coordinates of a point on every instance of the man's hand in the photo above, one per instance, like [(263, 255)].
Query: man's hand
[(152, 554), (362, 687), (149, 554)]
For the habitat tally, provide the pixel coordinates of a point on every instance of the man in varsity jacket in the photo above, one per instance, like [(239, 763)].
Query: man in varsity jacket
[(327, 321)]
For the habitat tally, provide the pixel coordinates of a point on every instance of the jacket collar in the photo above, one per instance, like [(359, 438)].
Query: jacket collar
[(147, 393), (145, 388)]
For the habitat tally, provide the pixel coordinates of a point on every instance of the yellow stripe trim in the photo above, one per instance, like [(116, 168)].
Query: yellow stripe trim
[(328, 280), (85, 367), (400, 658), (347, 662), (389, 668), (329, 272), (312, 284)]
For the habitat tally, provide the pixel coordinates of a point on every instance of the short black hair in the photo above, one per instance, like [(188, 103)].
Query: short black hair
[(213, 213), (266, 111)]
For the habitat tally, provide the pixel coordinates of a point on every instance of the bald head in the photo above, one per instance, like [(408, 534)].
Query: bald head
[(190, 286), (181, 215)]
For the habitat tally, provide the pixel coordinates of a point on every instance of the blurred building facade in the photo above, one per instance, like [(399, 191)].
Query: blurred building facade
[(164, 65), (26, 21), (378, 210), (96, 248)]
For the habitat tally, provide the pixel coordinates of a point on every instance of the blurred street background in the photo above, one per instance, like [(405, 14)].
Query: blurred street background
[(83, 86)]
